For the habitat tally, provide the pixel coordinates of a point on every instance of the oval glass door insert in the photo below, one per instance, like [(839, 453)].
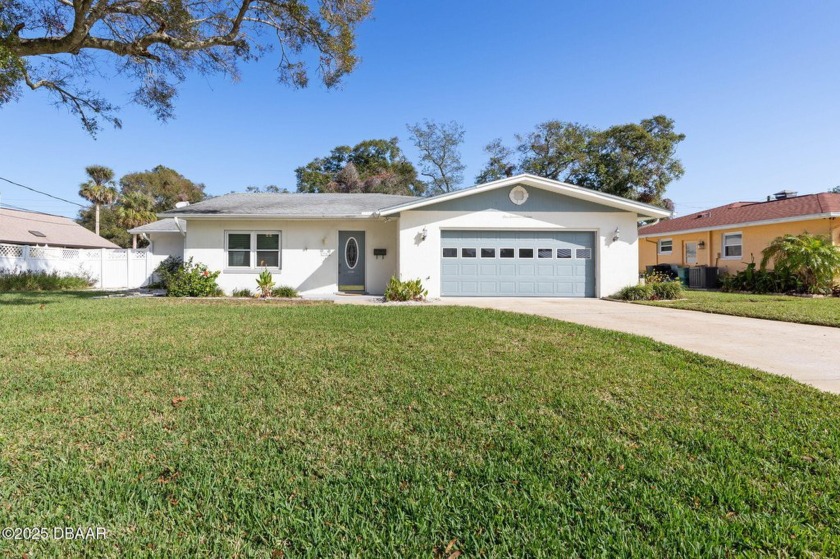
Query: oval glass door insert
[(351, 253)]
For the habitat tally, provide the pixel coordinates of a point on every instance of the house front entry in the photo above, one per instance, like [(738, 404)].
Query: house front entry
[(351, 261), (691, 253)]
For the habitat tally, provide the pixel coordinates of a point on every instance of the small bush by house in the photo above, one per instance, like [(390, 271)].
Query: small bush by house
[(244, 292), (285, 291), (188, 279), (409, 290), (28, 280), (656, 287)]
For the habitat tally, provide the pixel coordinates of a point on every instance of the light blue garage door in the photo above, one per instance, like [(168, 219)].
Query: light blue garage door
[(518, 263)]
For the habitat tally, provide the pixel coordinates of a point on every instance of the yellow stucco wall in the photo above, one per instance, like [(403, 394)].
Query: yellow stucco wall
[(754, 238)]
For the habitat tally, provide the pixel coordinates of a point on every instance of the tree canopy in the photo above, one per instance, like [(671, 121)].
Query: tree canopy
[(140, 197), (60, 46), (636, 160), (440, 158), (164, 186), (369, 166)]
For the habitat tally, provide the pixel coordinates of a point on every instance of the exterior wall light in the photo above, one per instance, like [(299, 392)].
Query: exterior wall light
[(616, 234), (701, 244), (423, 234)]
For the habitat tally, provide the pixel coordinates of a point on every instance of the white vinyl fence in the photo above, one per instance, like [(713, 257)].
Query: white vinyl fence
[(108, 268)]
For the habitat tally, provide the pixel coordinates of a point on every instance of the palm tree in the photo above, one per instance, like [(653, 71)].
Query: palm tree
[(135, 209), (99, 189), (813, 259)]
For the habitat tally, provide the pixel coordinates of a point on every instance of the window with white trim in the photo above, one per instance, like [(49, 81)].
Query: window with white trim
[(665, 246), (732, 245), (252, 249)]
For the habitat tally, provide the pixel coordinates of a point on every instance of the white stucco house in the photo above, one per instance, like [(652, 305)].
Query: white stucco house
[(516, 237)]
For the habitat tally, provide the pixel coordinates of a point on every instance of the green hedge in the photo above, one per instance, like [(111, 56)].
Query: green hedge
[(19, 280)]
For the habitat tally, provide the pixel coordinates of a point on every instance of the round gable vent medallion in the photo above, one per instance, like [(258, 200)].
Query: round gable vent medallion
[(518, 195)]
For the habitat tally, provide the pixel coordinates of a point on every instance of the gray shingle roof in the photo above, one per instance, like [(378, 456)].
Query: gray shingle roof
[(299, 205), (32, 228), (160, 226)]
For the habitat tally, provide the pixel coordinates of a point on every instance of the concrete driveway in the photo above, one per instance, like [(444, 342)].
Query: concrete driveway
[(808, 354)]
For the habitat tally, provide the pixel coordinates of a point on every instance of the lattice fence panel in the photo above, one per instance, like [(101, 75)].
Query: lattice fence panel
[(11, 251)]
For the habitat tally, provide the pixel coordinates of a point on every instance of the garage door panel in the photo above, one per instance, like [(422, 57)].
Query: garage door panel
[(518, 263), (526, 287)]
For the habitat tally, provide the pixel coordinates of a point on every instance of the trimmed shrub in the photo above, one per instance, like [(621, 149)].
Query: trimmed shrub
[(655, 291), (285, 291), (409, 290), (245, 292), (635, 293), (667, 290), (167, 269), (755, 280), (20, 280), (193, 280)]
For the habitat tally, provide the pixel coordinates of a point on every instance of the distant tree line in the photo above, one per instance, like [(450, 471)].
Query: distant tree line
[(636, 160)]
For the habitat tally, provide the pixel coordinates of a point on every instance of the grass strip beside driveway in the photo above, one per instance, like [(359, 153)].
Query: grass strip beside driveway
[(822, 311)]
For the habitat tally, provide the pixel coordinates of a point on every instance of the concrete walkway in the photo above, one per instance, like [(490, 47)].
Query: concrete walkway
[(808, 354)]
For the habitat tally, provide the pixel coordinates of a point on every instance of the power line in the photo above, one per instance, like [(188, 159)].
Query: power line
[(41, 192)]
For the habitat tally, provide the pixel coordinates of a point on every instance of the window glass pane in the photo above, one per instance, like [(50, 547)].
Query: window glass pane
[(488, 253), (526, 253), (665, 246), (505, 253), (732, 245), (564, 253), (268, 258), (544, 253), (239, 241), (583, 253), (467, 253), (268, 241), (450, 253), (239, 258)]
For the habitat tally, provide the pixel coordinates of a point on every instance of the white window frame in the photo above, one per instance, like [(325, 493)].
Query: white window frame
[(723, 245), (254, 264), (659, 246)]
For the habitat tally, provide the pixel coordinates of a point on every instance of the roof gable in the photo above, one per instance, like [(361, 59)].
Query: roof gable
[(809, 206), (538, 200), (643, 211)]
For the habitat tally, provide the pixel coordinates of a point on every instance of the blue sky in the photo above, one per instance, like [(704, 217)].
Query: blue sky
[(753, 85)]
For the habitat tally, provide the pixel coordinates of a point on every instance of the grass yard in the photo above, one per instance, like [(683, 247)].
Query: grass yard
[(252, 429), (822, 311)]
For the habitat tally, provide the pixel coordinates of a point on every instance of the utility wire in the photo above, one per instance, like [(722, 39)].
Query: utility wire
[(41, 192)]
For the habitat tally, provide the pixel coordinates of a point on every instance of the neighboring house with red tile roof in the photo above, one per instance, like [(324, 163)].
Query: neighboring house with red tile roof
[(732, 236), (36, 229)]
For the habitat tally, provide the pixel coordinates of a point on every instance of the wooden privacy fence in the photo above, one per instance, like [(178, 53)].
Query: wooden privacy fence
[(108, 268)]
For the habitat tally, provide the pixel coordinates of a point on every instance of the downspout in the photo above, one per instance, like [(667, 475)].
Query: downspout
[(709, 253), (180, 229)]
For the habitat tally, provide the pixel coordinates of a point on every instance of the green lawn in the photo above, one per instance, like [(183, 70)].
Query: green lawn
[(823, 311), (327, 430)]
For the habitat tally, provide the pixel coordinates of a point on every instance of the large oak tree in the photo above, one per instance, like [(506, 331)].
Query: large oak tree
[(62, 46)]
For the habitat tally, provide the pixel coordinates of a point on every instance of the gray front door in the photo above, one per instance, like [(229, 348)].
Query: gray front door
[(351, 261), (518, 263)]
